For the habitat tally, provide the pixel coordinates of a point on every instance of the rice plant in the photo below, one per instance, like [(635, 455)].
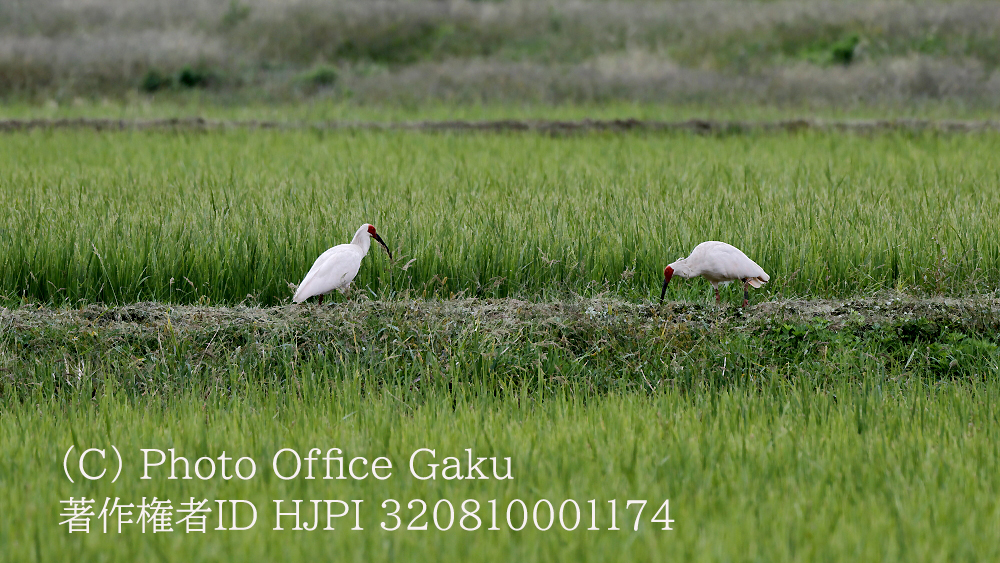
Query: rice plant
[(237, 216)]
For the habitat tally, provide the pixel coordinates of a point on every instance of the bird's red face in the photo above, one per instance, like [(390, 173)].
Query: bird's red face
[(668, 273), (374, 235)]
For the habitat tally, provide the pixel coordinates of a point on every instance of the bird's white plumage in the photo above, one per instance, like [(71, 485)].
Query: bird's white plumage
[(335, 268), (719, 262)]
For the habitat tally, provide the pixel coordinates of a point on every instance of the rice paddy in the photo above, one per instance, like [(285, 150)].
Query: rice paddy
[(849, 414), (238, 216)]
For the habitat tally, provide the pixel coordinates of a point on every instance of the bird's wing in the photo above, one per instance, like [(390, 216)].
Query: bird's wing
[(334, 269), (723, 261)]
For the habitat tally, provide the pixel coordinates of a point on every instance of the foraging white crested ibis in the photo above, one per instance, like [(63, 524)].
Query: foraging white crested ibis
[(337, 267), (719, 263)]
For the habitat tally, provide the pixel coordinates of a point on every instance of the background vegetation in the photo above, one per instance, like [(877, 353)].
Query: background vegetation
[(839, 54)]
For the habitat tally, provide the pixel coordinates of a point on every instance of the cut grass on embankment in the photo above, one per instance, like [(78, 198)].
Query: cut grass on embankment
[(236, 216), (858, 430), (500, 346)]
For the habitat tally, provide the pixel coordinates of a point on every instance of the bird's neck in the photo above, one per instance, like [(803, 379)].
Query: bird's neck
[(682, 269), (363, 240)]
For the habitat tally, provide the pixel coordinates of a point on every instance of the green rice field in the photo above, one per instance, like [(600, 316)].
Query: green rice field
[(849, 414), (237, 216)]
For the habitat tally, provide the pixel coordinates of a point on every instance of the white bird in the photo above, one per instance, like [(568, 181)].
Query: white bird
[(719, 263), (337, 267)]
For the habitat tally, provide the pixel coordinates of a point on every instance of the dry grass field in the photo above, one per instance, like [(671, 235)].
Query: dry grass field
[(821, 54)]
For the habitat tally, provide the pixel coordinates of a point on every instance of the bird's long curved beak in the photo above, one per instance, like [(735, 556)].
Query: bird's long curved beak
[(663, 292), (380, 241)]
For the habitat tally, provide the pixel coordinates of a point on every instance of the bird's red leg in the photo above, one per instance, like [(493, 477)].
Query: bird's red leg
[(320, 298), (746, 292), (717, 298)]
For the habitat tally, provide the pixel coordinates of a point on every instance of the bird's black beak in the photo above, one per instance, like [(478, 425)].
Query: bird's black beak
[(380, 241), (663, 292)]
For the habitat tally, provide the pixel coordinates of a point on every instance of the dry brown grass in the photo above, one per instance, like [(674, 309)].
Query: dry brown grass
[(549, 51), (482, 81)]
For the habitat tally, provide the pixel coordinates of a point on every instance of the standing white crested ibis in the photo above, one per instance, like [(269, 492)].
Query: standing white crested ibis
[(719, 263), (336, 268)]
